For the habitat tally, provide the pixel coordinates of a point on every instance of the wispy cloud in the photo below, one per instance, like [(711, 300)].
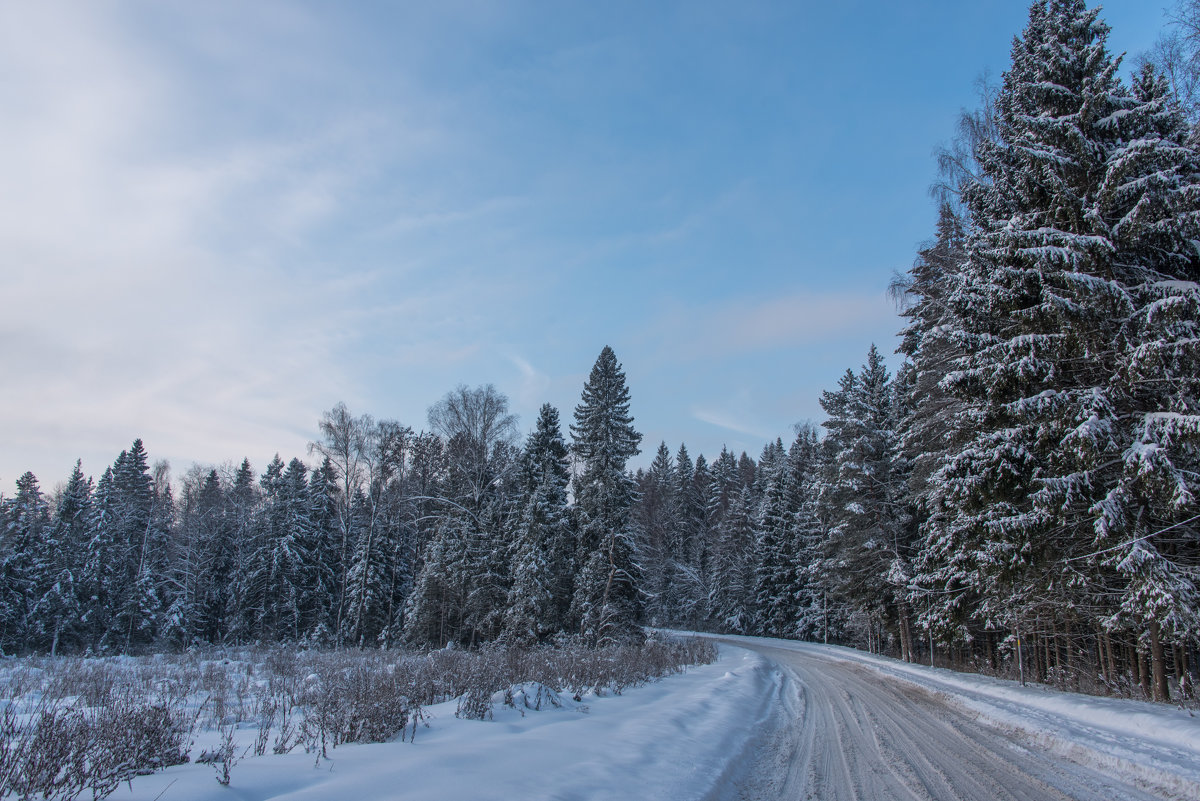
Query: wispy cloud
[(534, 386), (747, 325), (149, 289), (730, 421)]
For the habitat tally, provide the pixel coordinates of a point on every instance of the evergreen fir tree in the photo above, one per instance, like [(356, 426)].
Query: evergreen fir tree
[(606, 602), (686, 543), (1079, 225), (656, 522), (318, 618), (135, 593), (543, 550), (58, 608), (731, 603), (26, 520), (216, 561), (866, 544), (244, 501)]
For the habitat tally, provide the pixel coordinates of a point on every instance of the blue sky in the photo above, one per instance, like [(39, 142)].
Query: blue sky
[(222, 218)]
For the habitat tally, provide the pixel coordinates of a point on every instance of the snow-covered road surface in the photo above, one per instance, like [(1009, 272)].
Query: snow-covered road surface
[(852, 731)]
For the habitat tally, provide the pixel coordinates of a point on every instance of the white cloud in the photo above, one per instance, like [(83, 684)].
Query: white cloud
[(149, 289), (534, 385), (732, 421)]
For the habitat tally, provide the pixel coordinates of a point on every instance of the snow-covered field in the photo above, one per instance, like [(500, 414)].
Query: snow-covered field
[(684, 737)]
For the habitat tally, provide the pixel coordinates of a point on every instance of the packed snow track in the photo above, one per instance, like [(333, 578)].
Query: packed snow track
[(849, 732)]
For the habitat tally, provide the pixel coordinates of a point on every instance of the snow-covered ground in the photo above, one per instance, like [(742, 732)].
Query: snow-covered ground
[(701, 734), (685, 737)]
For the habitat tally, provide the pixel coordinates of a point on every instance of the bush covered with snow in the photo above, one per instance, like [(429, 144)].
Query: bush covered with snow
[(75, 726)]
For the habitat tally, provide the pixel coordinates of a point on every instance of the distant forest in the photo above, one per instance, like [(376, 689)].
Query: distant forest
[(1020, 496)]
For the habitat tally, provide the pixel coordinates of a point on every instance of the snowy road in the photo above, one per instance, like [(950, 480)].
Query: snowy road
[(856, 734)]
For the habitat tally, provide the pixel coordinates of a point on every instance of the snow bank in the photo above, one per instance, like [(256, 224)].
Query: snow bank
[(685, 737), (1155, 744)]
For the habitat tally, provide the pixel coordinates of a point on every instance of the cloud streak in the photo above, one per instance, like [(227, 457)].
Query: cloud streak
[(149, 293), (751, 325)]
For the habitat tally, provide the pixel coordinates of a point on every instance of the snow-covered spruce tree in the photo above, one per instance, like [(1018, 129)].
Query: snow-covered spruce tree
[(670, 520), (731, 602), (931, 428), (291, 558), (138, 541), (373, 595), (933, 424), (717, 500), (319, 619), (543, 550), (488, 575), (808, 597), (606, 603), (775, 578), (244, 501), (1026, 313), (99, 566), (1145, 525), (57, 604), (1081, 207), (210, 529), (26, 520), (861, 498), (686, 545), (655, 521), (260, 596)]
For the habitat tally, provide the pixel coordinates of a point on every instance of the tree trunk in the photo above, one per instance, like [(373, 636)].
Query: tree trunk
[(1112, 665), (1020, 657), (1135, 666), (1144, 674), (1162, 692), (905, 634), (1180, 674)]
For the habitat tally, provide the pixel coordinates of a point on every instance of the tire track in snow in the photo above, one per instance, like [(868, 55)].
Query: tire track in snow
[(848, 734)]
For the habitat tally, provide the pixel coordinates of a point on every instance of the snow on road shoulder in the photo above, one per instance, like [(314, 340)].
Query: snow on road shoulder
[(683, 737), (1156, 744)]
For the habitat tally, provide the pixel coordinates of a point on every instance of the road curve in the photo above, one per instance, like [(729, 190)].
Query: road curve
[(855, 734)]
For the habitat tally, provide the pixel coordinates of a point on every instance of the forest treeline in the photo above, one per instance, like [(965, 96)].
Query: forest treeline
[(1020, 494), (454, 534)]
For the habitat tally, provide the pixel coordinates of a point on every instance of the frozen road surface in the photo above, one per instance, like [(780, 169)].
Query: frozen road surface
[(851, 732)]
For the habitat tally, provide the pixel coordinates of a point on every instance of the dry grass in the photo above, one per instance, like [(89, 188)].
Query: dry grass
[(74, 726)]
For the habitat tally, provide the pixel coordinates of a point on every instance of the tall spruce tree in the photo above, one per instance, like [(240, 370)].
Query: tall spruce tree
[(775, 576), (26, 521), (1147, 540), (866, 545), (1080, 223), (656, 520), (58, 606), (543, 550), (136, 540), (216, 561), (731, 602), (606, 602)]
